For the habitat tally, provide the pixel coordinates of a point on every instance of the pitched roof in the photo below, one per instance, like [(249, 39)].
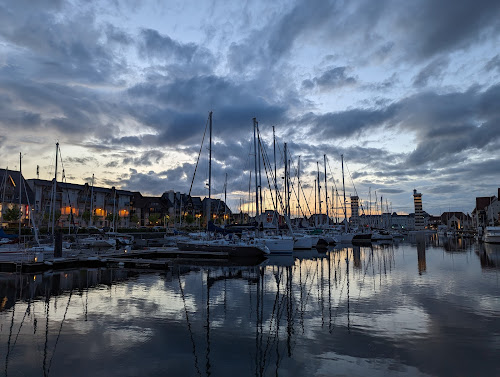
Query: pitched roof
[(15, 179), (483, 201)]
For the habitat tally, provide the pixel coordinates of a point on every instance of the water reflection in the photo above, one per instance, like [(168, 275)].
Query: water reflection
[(489, 255), (401, 309)]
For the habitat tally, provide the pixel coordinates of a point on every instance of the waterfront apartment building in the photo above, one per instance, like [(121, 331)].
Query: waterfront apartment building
[(419, 213), (80, 205), (12, 187), (391, 221)]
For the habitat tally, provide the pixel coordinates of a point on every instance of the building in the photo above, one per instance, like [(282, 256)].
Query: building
[(487, 211), (79, 205), (12, 186), (219, 211), (389, 221), (456, 220), (150, 210), (419, 213), (354, 211)]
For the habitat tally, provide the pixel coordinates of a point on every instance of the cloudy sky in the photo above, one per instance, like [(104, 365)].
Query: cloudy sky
[(408, 92)]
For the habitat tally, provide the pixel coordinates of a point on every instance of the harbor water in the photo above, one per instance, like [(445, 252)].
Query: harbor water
[(419, 307)]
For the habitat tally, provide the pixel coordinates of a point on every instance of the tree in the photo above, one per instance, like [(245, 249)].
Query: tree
[(12, 214), (189, 219), (86, 216), (110, 217), (153, 218), (134, 219)]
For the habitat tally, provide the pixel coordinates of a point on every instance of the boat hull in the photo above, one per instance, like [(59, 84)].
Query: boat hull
[(278, 245), (231, 250)]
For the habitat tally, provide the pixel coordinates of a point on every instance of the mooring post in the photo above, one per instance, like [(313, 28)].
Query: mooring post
[(58, 244)]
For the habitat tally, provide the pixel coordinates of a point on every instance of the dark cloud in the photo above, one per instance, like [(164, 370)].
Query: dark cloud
[(127, 140), (80, 160), (155, 45), (331, 79), (493, 64), (433, 70), (147, 183), (385, 85), (112, 164), (435, 28), (180, 59), (147, 158), (177, 115), (270, 44), (390, 191), (347, 123)]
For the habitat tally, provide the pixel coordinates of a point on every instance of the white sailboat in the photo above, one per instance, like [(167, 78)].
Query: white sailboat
[(234, 247), (277, 243)]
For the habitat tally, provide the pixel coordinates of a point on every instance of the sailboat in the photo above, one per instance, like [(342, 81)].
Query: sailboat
[(234, 247), (277, 244)]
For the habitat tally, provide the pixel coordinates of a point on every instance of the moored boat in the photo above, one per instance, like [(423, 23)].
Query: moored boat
[(252, 248), (492, 234)]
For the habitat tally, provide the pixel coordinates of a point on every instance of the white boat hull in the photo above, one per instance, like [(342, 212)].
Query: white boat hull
[(492, 234), (278, 245), (303, 243)]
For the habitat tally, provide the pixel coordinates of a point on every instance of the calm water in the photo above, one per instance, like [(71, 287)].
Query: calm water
[(427, 308)]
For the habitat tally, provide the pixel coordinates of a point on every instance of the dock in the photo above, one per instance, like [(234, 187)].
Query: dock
[(152, 259)]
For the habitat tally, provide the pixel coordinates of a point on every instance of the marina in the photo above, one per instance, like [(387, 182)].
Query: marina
[(380, 310), (217, 188)]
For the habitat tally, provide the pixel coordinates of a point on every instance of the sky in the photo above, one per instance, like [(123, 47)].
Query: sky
[(407, 91)]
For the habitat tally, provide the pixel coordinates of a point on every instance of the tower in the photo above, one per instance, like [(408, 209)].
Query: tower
[(354, 211), (419, 213)]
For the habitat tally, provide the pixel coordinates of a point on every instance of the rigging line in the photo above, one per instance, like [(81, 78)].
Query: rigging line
[(31, 217), (292, 184), (10, 337), (364, 274), (60, 328), (198, 159), (275, 313), (278, 194), (341, 289), (47, 302), (188, 323), (309, 292), (266, 161), (331, 173), (354, 186), (22, 322)]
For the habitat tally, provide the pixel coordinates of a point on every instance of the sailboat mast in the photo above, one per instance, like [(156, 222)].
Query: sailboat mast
[(298, 188), (287, 199), (315, 200), (326, 194), (92, 201), (225, 199), (3, 191), (249, 193), (55, 193), (275, 176), (255, 160), (20, 194), (343, 188), (260, 171), (114, 209), (209, 203), (319, 188)]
